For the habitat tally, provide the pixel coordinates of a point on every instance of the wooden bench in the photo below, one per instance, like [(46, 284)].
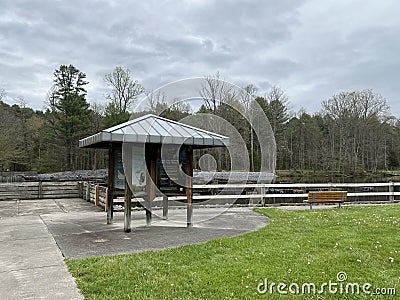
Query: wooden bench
[(326, 197)]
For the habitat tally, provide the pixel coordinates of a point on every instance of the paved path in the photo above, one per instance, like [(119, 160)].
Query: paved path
[(31, 264), (36, 236)]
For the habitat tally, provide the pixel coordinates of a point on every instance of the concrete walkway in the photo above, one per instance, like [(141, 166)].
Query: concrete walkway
[(36, 236), (31, 264)]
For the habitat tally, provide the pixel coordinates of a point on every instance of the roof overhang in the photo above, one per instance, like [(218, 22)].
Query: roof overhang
[(157, 130)]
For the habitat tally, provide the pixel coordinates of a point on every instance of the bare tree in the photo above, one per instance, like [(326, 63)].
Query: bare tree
[(248, 95), (97, 112), (355, 122), (216, 91), (156, 102), (23, 119), (124, 91)]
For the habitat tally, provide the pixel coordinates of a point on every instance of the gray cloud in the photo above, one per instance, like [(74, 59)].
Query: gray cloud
[(312, 49)]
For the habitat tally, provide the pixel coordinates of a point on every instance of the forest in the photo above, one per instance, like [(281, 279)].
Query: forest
[(352, 133)]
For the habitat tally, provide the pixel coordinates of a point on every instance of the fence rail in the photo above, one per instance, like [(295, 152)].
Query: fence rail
[(39, 190), (263, 193), (94, 193), (254, 193)]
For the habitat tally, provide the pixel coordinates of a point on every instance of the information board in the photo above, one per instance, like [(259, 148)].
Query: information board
[(119, 176), (170, 168)]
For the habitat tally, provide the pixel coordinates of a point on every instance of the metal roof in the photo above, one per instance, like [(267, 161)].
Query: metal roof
[(155, 129)]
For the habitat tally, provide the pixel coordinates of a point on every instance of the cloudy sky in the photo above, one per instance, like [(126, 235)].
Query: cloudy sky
[(311, 49)]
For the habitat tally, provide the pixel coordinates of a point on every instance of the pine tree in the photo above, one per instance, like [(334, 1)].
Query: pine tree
[(69, 113)]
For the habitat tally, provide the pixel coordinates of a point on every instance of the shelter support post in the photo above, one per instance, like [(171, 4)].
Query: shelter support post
[(151, 181), (189, 190), (127, 207), (110, 185)]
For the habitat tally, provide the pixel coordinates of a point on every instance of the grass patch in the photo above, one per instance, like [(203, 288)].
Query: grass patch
[(310, 246)]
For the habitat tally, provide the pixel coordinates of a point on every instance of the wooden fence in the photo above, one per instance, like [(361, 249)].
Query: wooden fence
[(262, 194), (94, 193), (240, 193), (40, 190), (297, 192)]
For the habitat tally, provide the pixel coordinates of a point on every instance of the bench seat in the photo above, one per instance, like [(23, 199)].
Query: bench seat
[(326, 197)]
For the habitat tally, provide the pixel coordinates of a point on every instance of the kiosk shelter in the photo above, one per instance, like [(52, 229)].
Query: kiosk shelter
[(158, 159)]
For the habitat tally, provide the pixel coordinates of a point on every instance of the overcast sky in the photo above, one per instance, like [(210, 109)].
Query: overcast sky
[(311, 49)]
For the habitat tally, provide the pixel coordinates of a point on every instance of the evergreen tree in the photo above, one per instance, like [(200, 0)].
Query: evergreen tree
[(69, 113)]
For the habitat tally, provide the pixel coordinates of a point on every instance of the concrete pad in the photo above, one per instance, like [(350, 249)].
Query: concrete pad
[(31, 264), (15, 229), (37, 207), (81, 235), (50, 283), (12, 208), (8, 208), (77, 205)]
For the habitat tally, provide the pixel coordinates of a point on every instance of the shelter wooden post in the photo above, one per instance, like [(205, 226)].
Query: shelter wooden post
[(128, 206), (111, 172), (189, 190), (151, 160)]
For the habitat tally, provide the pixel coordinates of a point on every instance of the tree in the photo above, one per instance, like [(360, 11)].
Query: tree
[(10, 138), (215, 91), (92, 158), (276, 111), (69, 112), (248, 97), (176, 111), (156, 102), (356, 123), (124, 92), (36, 126)]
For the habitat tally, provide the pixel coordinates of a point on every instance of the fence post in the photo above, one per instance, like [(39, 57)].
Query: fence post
[(391, 191), (262, 191), (165, 207), (96, 198), (106, 201), (80, 189), (40, 190), (87, 198)]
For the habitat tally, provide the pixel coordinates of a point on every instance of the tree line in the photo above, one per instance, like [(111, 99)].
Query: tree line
[(353, 132)]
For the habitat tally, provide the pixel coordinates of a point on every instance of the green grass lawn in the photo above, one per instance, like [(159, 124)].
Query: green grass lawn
[(296, 248)]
